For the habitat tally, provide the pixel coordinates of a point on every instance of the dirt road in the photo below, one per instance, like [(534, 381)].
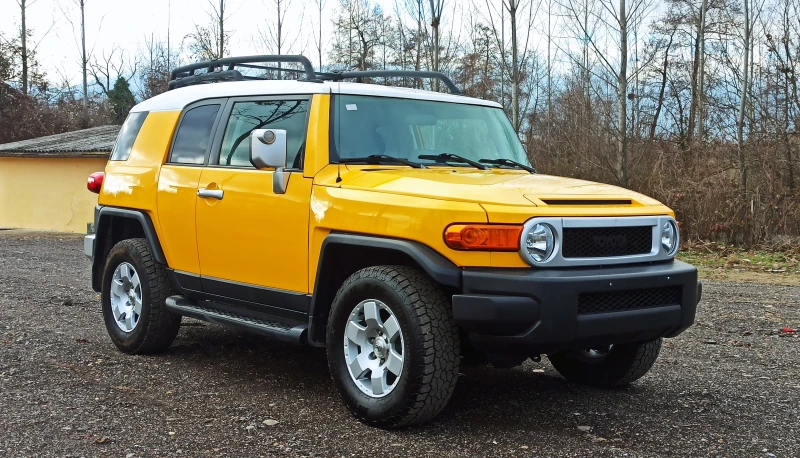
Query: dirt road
[(730, 386)]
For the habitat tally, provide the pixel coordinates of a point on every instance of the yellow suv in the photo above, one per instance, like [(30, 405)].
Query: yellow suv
[(403, 230)]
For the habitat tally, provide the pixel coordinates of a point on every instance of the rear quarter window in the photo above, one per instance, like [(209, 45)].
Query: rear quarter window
[(193, 138), (127, 136)]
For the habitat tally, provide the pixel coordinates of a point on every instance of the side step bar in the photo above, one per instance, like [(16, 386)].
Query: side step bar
[(188, 307)]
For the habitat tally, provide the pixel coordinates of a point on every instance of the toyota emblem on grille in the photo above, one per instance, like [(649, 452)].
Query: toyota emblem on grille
[(610, 241)]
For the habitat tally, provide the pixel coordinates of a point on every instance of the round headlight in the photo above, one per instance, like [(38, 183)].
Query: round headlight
[(669, 237), (539, 242)]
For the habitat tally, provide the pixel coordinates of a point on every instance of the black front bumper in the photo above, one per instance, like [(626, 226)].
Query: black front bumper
[(537, 310)]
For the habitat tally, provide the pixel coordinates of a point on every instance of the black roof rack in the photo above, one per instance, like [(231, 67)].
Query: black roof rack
[(185, 76), (225, 70), (361, 74)]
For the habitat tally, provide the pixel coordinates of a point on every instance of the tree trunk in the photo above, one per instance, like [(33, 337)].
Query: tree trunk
[(787, 146), (662, 90), (84, 65), (549, 69), (622, 93), (697, 69), (279, 38), (24, 50), (221, 52), (436, 16), (701, 84), (512, 11), (319, 48), (743, 99)]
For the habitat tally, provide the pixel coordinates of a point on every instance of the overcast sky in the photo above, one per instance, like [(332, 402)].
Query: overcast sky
[(125, 24)]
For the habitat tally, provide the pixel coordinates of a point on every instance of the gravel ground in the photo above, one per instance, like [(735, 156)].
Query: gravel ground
[(728, 386)]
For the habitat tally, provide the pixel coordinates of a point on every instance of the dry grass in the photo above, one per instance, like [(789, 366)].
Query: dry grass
[(773, 265)]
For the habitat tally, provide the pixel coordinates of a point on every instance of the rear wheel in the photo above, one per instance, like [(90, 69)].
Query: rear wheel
[(393, 346), (607, 367), (134, 290)]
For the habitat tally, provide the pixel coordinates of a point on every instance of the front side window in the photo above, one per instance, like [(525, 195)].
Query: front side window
[(194, 135), (127, 135), (405, 128), (290, 115)]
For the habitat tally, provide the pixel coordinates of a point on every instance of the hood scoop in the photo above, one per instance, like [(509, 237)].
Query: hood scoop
[(588, 202)]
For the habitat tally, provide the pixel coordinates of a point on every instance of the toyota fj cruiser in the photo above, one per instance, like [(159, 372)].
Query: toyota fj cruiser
[(403, 230)]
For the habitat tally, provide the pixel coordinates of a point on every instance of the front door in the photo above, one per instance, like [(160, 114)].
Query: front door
[(253, 243)]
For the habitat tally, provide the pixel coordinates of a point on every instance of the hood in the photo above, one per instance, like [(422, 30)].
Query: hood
[(494, 187)]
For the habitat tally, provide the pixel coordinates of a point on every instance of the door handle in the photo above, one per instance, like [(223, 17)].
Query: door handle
[(211, 193)]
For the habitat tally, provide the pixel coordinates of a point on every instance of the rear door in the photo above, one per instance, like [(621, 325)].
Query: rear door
[(178, 180), (253, 243)]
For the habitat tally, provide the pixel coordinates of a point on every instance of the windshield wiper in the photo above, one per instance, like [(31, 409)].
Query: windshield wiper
[(447, 157), (509, 163), (381, 159)]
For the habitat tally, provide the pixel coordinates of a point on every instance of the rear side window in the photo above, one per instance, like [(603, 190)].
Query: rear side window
[(194, 135), (127, 135)]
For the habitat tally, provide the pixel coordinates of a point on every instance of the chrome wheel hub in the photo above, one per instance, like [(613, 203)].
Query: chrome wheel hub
[(126, 297), (373, 348)]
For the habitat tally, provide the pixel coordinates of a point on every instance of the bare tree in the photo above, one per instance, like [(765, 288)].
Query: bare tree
[(155, 64), (619, 21), (84, 60), (515, 67), (436, 21), (746, 37), (108, 68), (662, 87), (318, 42), (698, 73), (275, 38), (24, 44), (85, 54), (358, 33), (211, 41)]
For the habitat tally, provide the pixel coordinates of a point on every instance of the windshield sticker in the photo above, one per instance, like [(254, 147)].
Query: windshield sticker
[(351, 107)]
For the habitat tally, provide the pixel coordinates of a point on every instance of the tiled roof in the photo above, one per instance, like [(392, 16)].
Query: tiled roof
[(94, 142)]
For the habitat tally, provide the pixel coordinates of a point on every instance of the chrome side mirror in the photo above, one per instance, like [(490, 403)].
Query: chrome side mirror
[(268, 150)]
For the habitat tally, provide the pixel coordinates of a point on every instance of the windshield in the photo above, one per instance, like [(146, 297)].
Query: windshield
[(404, 128)]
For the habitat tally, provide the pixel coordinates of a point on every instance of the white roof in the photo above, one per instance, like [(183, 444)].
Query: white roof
[(177, 99)]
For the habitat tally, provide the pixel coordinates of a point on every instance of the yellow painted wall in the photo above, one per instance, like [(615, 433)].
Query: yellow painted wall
[(47, 193)]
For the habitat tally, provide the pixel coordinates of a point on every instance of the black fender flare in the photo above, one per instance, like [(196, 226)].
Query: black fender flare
[(103, 218), (439, 268), (143, 218)]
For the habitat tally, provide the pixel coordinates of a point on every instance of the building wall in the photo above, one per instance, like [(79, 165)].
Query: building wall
[(47, 193)]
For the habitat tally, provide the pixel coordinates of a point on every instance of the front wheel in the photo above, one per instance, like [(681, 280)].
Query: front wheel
[(607, 367), (393, 346)]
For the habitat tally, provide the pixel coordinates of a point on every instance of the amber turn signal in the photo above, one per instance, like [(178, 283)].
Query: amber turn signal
[(483, 237)]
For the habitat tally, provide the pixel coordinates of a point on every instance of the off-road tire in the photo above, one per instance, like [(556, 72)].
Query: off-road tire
[(431, 345), (623, 365), (157, 327)]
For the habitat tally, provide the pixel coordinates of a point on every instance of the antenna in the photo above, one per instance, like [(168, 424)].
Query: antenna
[(338, 172)]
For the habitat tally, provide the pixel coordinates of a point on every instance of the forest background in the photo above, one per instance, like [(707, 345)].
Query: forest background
[(695, 103)]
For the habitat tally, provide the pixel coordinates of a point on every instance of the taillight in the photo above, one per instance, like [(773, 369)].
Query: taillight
[(483, 237), (95, 182)]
